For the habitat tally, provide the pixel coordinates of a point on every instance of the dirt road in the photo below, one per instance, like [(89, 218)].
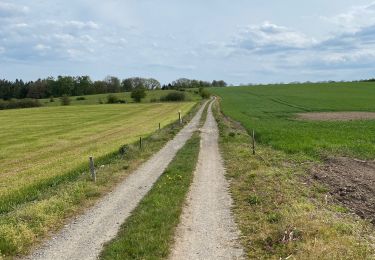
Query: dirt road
[(207, 229), (84, 237)]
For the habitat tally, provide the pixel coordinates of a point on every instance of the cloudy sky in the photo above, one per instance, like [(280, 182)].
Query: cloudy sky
[(242, 41)]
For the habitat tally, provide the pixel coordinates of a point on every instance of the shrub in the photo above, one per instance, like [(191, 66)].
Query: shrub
[(80, 98), (19, 103), (65, 100), (138, 94), (51, 99), (174, 96), (154, 100), (112, 99), (204, 93)]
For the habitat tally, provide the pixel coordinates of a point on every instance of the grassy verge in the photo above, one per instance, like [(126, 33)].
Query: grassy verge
[(28, 223), (148, 233), (280, 216)]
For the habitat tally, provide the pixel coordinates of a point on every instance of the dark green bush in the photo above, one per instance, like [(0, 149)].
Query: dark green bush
[(138, 94), (112, 99), (174, 97), (19, 103), (204, 93), (80, 98), (65, 100)]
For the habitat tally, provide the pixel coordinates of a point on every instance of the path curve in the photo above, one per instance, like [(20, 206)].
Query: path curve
[(207, 229), (84, 237)]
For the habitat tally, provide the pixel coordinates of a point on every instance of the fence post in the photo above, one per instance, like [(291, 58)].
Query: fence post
[(159, 127), (179, 117), (140, 142), (92, 169), (253, 142)]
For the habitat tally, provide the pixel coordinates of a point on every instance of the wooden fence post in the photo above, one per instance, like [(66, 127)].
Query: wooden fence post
[(140, 142), (159, 127), (92, 169), (179, 117), (253, 142)]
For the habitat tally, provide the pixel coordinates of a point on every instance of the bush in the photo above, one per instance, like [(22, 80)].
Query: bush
[(174, 96), (51, 99), (204, 93), (19, 103), (80, 98), (138, 94), (112, 99), (154, 100), (65, 100)]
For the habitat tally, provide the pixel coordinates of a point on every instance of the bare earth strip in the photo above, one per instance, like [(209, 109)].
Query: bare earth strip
[(207, 229), (84, 237), (337, 116)]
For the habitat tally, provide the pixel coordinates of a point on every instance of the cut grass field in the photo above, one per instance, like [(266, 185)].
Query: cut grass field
[(148, 232), (281, 214), (44, 152), (154, 95), (271, 111)]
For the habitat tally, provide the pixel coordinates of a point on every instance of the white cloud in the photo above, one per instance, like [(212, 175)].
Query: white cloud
[(41, 47), (355, 18), (271, 38), (9, 9)]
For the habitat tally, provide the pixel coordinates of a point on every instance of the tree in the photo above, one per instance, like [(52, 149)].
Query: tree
[(127, 85), (151, 84), (138, 94), (113, 84), (219, 83)]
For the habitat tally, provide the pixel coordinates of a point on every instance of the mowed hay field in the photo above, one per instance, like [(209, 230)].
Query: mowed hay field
[(272, 111), (40, 147)]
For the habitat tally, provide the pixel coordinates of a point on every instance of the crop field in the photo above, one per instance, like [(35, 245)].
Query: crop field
[(39, 147), (153, 95), (272, 112)]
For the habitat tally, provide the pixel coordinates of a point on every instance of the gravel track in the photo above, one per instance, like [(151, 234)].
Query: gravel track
[(84, 237), (207, 229)]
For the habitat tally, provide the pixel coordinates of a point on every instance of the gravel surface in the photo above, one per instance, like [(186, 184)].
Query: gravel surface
[(84, 237), (207, 229)]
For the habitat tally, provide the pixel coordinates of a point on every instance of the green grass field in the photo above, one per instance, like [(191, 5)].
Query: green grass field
[(39, 146), (270, 110), (44, 160), (97, 99), (281, 216)]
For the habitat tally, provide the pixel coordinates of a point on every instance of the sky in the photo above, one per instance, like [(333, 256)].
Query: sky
[(241, 41)]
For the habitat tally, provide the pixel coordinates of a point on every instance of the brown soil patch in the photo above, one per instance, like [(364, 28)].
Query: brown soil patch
[(337, 116), (352, 182)]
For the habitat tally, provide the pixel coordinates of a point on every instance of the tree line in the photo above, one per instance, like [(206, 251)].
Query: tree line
[(83, 85)]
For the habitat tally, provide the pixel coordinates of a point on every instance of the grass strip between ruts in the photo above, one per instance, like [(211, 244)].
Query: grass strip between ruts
[(148, 232)]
